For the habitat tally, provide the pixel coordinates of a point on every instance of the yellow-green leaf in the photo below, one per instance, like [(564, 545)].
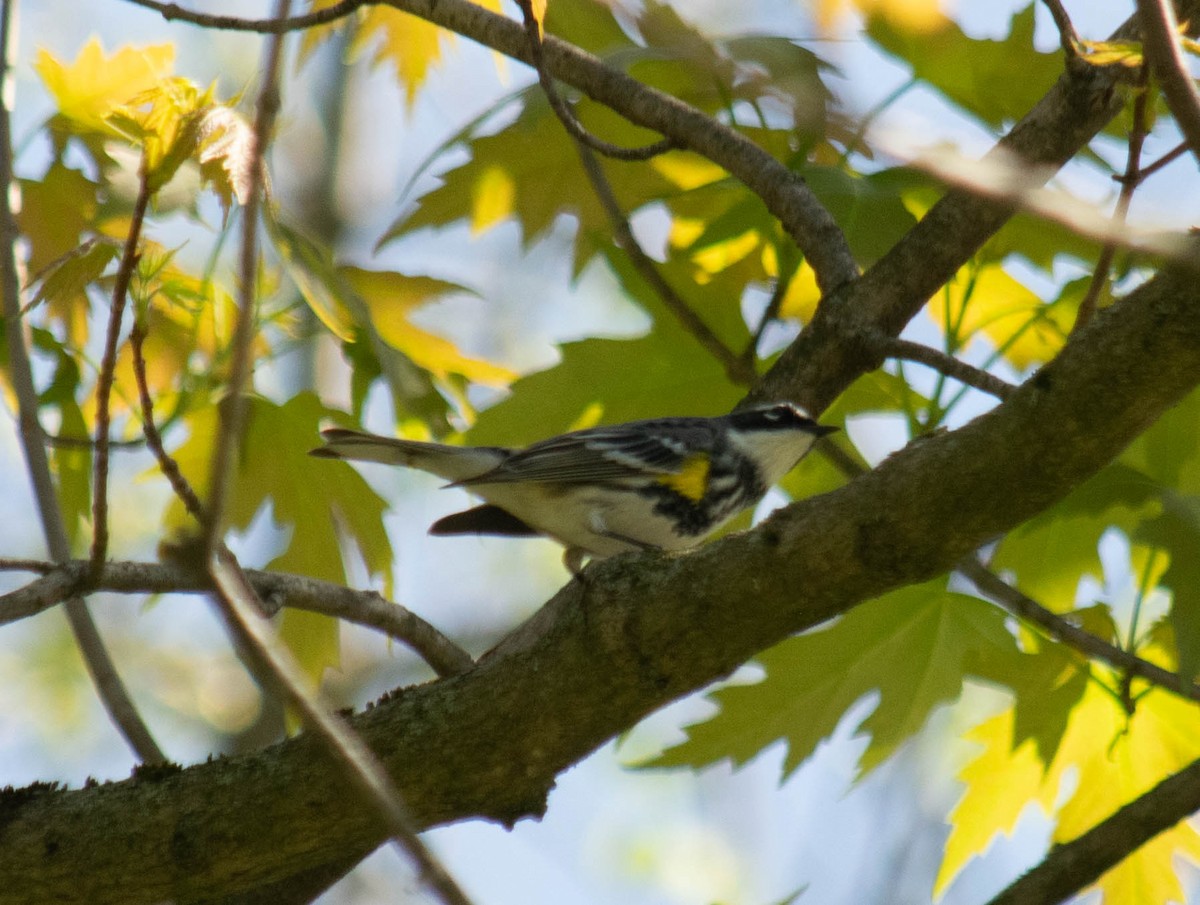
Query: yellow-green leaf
[(913, 646), (91, 87), (1106, 53), (1115, 757), (985, 299), (275, 469), (410, 45), (391, 299), (54, 211)]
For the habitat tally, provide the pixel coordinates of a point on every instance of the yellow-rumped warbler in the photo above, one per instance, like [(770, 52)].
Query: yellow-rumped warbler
[(662, 484)]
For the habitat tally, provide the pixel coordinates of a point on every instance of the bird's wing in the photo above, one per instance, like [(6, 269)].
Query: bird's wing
[(602, 454)]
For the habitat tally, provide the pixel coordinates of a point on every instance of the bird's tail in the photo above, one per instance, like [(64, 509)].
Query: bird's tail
[(454, 463)]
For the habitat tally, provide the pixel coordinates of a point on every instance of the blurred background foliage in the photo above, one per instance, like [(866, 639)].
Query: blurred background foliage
[(436, 264)]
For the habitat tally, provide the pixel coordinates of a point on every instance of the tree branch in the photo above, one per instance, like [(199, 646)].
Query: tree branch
[(838, 345), (738, 369), (1074, 865), (1061, 629), (1129, 183), (564, 113), (892, 347), (108, 369), (233, 410), (785, 194), (1160, 31), (275, 667), (167, 465), (274, 26), (366, 608), (238, 603), (109, 687), (1066, 31), (642, 631)]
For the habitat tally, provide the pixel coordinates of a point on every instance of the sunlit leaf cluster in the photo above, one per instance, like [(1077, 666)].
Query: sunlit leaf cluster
[(1075, 738)]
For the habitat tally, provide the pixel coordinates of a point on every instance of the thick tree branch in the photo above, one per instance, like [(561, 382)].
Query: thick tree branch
[(642, 631), (785, 194), (837, 346)]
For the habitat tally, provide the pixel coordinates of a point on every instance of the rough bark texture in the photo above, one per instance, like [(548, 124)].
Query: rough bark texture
[(643, 630), (640, 632)]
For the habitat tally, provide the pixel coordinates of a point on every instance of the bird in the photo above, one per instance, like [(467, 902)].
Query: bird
[(658, 484)]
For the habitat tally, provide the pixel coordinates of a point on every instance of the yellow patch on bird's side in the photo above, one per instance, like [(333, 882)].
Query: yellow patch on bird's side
[(692, 478)]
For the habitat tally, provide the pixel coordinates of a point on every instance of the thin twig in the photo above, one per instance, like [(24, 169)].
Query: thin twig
[(108, 369), (57, 441), (739, 371), (365, 608), (1171, 156), (1129, 183), (362, 607), (109, 687), (1011, 181), (892, 347), (237, 601), (770, 313), (1160, 34), (1063, 631), (40, 566), (234, 407), (784, 192), (1066, 31), (276, 26), (166, 464), (566, 115), (243, 616)]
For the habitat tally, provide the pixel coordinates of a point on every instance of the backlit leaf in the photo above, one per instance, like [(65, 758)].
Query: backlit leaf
[(998, 81), (983, 299), (277, 471), (1050, 553), (91, 87), (913, 646), (532, 167), (1116, 757), (391, 298), (55, 210), (1177, 531), (62, 284), (409, 44)]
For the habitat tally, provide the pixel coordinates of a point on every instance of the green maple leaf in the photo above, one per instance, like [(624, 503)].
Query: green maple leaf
[(913, 646)]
